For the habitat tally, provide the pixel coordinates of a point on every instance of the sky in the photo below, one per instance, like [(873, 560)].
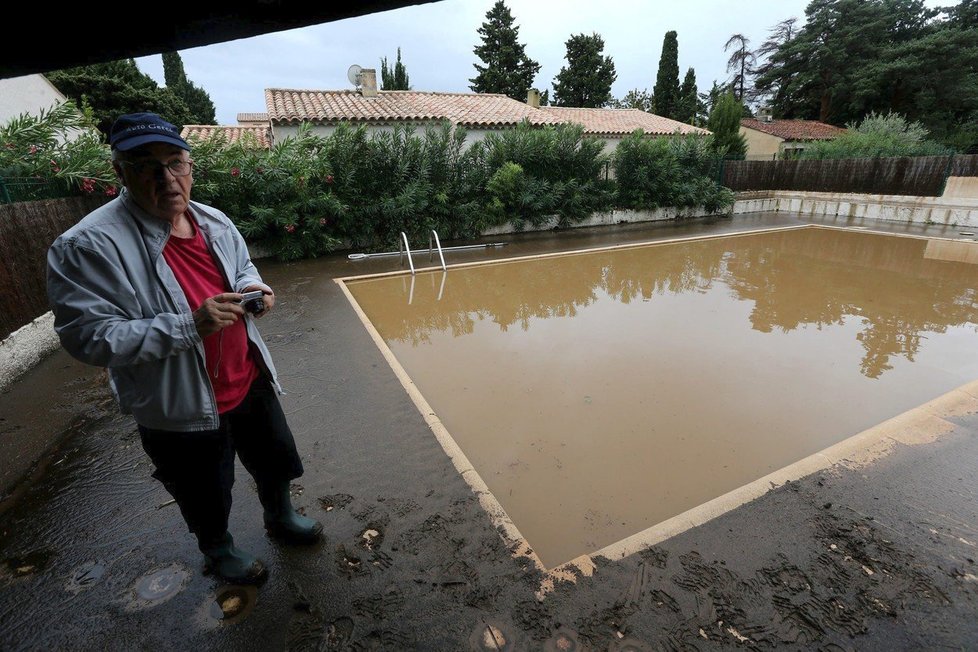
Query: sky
[(437, 41)]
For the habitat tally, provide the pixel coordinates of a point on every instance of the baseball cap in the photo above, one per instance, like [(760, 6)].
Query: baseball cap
[(136, 129)]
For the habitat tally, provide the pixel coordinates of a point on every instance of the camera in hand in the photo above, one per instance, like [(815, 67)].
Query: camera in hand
[(253, 301)]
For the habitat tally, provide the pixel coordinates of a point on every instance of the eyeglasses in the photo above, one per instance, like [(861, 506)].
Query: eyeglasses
[(154, 169)]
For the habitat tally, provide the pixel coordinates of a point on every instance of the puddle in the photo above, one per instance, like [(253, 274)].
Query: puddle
[(232, 604), (600, 393), (29, 563), (159, 586)]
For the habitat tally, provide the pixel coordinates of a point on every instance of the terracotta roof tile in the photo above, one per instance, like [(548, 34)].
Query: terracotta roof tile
[(465, 109), (794, 129), (620, 121), (261, 134), (252, 117)]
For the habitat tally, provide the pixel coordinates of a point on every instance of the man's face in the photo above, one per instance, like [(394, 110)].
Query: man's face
[(153, 185)]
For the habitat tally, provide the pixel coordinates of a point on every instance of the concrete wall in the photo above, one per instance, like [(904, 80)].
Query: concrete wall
[(945, 211), (961, 188)]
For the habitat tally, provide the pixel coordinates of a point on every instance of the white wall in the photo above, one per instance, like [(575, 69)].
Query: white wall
[(28, 94)]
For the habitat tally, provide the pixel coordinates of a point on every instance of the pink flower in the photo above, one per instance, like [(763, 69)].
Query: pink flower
[(33, 149), (88, 186), (290, 228), (329, 179), (55, 166), (235, 172), (111, 191), (322, 221)]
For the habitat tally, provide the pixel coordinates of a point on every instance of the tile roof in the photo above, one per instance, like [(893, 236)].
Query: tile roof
[(261, 134), (794, 129), (613, 122), (252, 117), (465, 109)]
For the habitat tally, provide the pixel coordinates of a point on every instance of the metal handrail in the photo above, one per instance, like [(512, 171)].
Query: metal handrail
[(407, 248), (434, 234)]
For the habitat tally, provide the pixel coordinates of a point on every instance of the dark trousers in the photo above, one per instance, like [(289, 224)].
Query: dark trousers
[(197, 468)]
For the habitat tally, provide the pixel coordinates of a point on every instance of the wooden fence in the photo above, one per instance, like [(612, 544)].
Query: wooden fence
[(27, 229), (923, 176)]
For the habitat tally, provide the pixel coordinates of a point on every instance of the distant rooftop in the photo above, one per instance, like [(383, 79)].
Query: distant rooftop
[(465, 109), (620, 122), (245, 118), (233, 134), (794, 129)]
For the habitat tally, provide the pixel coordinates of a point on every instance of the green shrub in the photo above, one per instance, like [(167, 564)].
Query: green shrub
[(56, 153), (878, 135), (675, 171)]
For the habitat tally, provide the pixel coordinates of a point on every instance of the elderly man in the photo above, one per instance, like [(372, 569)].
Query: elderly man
[(150, 285)]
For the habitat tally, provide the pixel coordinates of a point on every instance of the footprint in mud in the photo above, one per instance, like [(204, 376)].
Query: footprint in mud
[(381, 606), (372, 538), (348, 561), (336, 501), (85, 576)]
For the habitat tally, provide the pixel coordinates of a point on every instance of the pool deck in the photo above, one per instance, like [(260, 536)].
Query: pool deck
[(874, 549)]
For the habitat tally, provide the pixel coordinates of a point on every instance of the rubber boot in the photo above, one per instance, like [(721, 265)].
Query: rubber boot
[(232, 564), (282, 521)]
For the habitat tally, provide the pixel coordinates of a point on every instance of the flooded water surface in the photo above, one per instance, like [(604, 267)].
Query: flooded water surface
[(600, 393)]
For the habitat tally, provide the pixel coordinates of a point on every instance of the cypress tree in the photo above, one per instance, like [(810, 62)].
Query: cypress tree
[(688, 99), (396, 78), (666, 90)]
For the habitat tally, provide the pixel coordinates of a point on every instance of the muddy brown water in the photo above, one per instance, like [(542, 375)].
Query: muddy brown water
[(600, 393)]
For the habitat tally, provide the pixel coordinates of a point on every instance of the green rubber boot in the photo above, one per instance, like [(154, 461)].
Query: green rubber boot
[(232, 564), (282, 521)]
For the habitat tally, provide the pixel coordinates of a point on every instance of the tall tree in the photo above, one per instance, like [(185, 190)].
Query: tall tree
[(724, 122), (396, 78), (635, 99), (778, 37), (587, 78), (689, 100), (508, 70), (850, 58), (742, 62), (666, 89), (118, 87), (197, 100)]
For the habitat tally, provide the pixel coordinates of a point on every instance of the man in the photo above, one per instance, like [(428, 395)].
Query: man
[(150, 286)]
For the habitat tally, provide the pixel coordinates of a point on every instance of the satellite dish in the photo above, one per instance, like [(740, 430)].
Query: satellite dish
[(353, 74)]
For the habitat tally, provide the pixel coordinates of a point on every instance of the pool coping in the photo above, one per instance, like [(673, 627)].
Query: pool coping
[(923, 424)]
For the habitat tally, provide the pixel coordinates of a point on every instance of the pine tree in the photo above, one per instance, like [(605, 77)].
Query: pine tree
[(508, 70), (197, 100), (396, 78), (742, 62), (666, 89), (587, 78)]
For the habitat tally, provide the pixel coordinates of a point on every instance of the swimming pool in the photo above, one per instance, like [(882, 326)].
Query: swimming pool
[(597, 394)]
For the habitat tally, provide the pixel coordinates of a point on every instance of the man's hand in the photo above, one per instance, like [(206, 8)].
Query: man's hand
[(269, 298), (218, 312)]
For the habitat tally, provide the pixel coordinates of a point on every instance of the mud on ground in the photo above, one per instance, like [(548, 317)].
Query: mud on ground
[(95, 555)]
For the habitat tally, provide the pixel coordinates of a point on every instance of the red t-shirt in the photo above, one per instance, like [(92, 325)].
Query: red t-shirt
[(230, 366)]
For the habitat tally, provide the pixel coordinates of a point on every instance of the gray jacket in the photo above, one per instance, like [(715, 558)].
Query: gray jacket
[(117, 304)]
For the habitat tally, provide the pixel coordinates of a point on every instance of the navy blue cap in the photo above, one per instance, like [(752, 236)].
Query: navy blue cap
[(135, 129)]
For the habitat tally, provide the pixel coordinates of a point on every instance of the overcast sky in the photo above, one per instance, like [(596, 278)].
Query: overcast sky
[(437, 40)]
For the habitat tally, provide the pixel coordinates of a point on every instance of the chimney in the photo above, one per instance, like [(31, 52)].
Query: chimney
[(368, 82), (766, 114), (533, 98)]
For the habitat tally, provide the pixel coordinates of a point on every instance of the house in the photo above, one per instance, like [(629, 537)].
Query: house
[(770, 139), (611, 125), (478, 113), (258, 134), (30, 94)]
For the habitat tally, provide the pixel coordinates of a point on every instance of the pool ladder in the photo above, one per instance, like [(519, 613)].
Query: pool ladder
[(432, 240)]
